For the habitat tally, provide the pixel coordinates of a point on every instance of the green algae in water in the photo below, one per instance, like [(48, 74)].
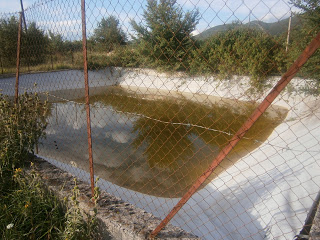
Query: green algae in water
[(159, 144), (178, 138)]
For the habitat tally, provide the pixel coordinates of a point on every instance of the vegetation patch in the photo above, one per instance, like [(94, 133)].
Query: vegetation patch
[(27, 209)]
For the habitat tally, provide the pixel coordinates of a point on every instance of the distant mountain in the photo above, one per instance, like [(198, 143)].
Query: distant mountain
[(275, 29)]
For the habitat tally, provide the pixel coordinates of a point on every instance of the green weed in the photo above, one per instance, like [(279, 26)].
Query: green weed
[(28, 210)]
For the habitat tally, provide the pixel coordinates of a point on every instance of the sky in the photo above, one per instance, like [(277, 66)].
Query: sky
[(14, 5), (64, 16)]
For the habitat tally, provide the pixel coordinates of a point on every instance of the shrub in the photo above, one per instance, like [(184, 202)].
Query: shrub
[(240, 51), (121, 56), (21, 126)]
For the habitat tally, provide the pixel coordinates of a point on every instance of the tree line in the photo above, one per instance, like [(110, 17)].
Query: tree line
[(164, 40), (36, 45)]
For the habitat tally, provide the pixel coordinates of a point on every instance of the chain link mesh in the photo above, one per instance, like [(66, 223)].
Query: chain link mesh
[(170, 83)]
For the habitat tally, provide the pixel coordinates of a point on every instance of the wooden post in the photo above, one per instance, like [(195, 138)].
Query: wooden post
[(289, 30), (25, 27)]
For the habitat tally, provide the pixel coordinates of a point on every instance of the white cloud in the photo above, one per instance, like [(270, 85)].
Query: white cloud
[(69, 29), (195, 32), (60, 24), (119, 136)]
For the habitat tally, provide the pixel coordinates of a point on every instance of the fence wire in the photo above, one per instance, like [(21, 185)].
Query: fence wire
[(171, 82)]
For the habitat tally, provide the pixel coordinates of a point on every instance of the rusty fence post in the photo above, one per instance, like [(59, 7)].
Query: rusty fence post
[(86, 82), (285, 79), (25, 28), (16, 95)]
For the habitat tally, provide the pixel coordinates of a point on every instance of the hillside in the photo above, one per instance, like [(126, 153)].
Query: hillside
[(275, 29)]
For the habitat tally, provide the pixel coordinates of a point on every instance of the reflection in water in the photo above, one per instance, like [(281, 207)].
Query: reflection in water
[(152, 144), (167, 145)]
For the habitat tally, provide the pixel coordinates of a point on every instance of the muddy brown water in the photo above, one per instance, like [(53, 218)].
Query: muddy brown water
[(156, 143)]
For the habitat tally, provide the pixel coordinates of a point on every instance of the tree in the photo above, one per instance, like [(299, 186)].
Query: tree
[(8, 41), (302, 37), (164, 37), (56, 43), (311, 10), (109, 34), (34, 45)]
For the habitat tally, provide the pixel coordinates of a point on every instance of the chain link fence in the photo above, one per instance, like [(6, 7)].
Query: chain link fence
[(172, 87)]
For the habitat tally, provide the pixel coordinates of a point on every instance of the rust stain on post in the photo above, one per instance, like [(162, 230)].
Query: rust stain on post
[(86, 82), (18, 60), (286, 78)]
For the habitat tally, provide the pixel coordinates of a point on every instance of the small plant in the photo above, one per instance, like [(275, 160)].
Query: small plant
[(28, 210), (80, 225)]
